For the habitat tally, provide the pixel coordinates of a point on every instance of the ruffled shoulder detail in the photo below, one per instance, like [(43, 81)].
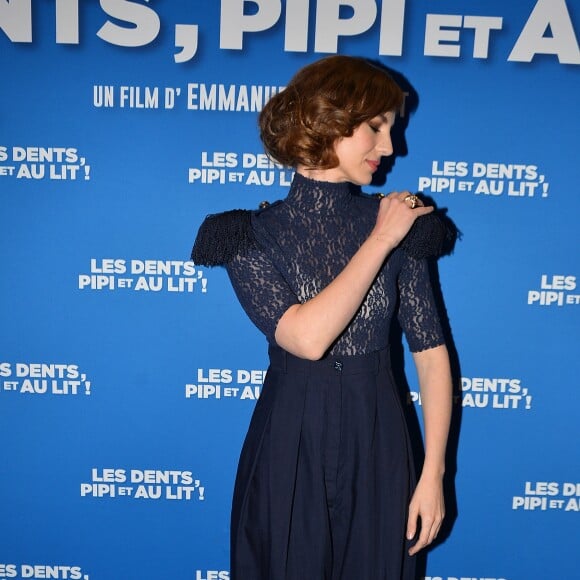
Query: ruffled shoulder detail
[(223, 236), (431, 235)]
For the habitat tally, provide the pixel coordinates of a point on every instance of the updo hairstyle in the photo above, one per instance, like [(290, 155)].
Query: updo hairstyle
[(325, 101)]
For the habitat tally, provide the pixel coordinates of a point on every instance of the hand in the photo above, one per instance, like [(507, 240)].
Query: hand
[(396, 217), (427, 504)]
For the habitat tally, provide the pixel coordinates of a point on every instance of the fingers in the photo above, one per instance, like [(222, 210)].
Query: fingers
[(413, 201), (429, 531), (396, 216), (430, 527), (429, 510), (405, 198), (412, 522), (406, 203), (423, 210)]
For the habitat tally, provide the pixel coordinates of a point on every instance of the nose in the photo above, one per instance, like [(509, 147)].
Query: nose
[(385, 145)]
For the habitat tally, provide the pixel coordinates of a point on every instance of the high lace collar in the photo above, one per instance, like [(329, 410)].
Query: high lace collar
[(318, 196)]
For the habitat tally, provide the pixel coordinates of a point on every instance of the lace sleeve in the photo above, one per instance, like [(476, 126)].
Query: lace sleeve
[(417, 311), (261, 289)]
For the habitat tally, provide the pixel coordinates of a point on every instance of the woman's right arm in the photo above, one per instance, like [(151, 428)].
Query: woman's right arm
[(307, 330)]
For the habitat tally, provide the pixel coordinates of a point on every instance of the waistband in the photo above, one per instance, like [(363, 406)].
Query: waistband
[(346, 365)]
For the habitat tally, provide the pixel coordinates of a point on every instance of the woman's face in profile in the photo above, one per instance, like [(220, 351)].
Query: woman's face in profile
[(359, 155)]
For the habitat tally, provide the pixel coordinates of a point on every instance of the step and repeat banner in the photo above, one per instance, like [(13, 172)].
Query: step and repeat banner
[(128, 373)]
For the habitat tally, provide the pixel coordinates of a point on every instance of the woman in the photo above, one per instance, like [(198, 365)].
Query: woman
[(325, 487)]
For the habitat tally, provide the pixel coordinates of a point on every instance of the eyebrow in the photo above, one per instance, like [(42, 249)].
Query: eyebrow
[(382, 117)]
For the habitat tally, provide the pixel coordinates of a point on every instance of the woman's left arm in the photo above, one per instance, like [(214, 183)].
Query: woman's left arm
[(427, 503)]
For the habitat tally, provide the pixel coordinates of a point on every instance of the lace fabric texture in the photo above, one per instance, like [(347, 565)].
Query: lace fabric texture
[(304, 242)]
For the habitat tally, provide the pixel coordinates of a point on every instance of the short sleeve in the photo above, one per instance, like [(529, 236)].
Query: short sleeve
[(417, 310), (262, 291)]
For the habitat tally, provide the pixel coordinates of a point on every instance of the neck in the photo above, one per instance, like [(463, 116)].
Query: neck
[(308, 194), (327, 175)]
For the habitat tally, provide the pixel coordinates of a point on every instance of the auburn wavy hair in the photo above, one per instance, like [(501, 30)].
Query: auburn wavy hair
[(324, 102)]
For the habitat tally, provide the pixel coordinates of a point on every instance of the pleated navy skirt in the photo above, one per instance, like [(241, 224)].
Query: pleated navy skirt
[(325, 474)]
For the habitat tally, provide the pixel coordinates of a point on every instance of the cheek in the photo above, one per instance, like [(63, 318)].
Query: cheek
[(344, 151), (367, 143)]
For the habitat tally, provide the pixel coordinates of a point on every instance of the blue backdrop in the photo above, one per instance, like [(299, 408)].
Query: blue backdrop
[(128, 374)]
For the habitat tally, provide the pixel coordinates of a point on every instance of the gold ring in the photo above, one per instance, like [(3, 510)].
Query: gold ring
[(413, 201)]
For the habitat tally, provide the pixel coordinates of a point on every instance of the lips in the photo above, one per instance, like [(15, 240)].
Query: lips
[(373, 164)]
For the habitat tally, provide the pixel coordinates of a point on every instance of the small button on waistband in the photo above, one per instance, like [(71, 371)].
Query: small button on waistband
[(338, 365)]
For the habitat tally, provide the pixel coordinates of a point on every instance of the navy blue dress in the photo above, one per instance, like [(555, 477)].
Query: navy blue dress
[(325, 474)]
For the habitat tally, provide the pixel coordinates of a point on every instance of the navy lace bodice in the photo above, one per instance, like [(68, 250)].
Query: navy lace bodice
[(304, 242)]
